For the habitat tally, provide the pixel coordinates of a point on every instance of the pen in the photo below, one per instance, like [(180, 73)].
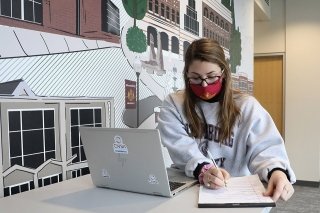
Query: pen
[(214, 163)]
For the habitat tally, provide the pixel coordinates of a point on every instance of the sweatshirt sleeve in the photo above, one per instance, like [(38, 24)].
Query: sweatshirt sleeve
[(265, 146), (182, 148)]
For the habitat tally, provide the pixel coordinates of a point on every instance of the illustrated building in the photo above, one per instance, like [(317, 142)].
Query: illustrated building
[(40, 140), (98, 19), (181, 22)]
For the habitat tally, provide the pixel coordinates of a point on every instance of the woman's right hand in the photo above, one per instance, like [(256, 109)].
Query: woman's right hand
[(215, 178)]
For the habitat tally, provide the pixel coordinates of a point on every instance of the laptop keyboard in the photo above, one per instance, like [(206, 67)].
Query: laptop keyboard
[(175, 185)]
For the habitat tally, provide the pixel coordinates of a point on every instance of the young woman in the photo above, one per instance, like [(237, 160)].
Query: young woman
[(211, 120)]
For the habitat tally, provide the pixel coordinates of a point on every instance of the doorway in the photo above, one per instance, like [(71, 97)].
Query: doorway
[(268, 87)]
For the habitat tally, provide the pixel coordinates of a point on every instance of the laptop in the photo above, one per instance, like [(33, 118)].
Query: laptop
[(131, 160)]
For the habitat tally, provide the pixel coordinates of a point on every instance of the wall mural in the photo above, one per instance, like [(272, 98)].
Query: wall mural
[(110, 63)]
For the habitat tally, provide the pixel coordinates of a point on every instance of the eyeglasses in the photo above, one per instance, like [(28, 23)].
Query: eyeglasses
[(209, 80)]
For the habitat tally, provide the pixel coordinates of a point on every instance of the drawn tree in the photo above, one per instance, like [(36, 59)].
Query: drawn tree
[(136, 39), (235, 40), (227, 4)]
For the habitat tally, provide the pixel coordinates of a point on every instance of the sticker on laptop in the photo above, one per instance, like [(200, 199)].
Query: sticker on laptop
[(118, 145), (105, 173), (152, 179)]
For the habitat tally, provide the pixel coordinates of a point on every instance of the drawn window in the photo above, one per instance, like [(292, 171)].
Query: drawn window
[(82, 117), (33, 10), (175, 44), (167, 12), (45, 181), (192, 4), (80, 172), (110, 18), (211, 16), (31, 136), (150, 5), (206, 12), (178, 18), (173, 15), (162, 9), (18, 188), (226, 27), (28, 10), (156, 7), (185, 47), (217, 20), (164, 41), (5, 7), (190, 19)]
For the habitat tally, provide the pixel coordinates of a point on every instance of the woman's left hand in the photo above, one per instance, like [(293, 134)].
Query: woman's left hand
[(279, 187)]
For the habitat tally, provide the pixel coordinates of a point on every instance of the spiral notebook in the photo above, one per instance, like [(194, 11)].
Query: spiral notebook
[(240, 192)]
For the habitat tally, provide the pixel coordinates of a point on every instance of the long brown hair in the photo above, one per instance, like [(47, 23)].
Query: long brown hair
[(209, 50)]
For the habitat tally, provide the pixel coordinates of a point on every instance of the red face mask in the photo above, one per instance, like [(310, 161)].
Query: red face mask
[(208, 92)]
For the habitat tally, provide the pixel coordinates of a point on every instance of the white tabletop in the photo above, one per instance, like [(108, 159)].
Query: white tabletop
[(80, 195)]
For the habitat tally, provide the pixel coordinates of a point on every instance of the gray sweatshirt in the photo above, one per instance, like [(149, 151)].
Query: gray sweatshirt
[(256, 146)]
